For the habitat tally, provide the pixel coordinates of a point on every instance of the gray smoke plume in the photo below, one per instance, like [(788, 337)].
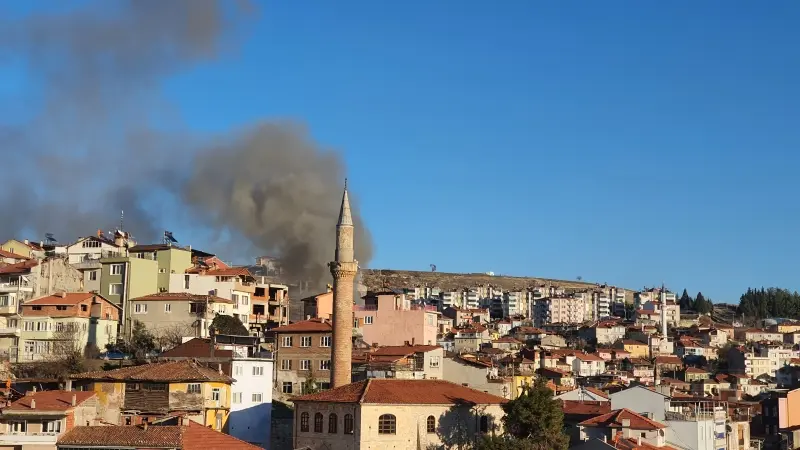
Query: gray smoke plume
[(100, 138)]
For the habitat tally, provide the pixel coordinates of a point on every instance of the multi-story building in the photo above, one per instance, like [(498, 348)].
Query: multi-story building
[(36, 420), (252, 373), (154, 391), (587, 365), (26, 248), (380, 413), (470, 338), (85, 255), (318, 306), (604, 333), (303, 356), (170, 259), (450, 299), (34, 278), (189, 314), (601, 300), (742, 360), (409, 362), (7, 257), (618, 301), (757, 335), (125, 277), (63, 323), (387, 318), (559, 310)]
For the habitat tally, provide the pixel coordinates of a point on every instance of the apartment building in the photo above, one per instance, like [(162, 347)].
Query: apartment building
[(757, 335), (169, 258), (34, 278), (384, 413), (125, 277), (604, 333), (470, 338), (26, 248), (252, 372), (319, 306), (11, 258), (189, 314), (85, 255), (602, 302), (65, 322), (463, 317), (37, 420), (158, 390), (587, 365), (559, 310), (387, 318), (302, 355)]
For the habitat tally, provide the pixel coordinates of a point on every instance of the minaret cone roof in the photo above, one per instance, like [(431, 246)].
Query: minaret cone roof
[(344, 213)]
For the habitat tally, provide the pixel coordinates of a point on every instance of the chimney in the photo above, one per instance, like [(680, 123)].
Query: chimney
[(219, 368), (62, 294), (413, 340), (639, 440), (74, 399), (144, 425), (33, 403), (406, 343)]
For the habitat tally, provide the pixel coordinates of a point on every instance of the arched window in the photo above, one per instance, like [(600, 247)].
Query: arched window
[(484, 424), (348, 424), (333, 421), (387, 424), (318, 423), (431, 424), (304, 422)]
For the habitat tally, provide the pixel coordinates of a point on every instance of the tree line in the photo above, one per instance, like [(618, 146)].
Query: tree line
[(698, 303), (770, 302)]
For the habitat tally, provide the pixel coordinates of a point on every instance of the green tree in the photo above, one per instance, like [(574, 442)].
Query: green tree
[(141, 343), (311, 386), (686, 301), (223, 324), (536, 418), (701, 305), (507, 443)]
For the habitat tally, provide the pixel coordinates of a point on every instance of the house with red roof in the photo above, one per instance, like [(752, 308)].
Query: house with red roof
[(38, 419), (382, 413), (624, 424), (302, 354), (188, 314), (587, 364), (412, 362)]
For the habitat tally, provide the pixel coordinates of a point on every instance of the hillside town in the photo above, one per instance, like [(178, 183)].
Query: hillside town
[(110, 343)]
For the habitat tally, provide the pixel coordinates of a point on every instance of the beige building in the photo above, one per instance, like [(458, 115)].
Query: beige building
[(559, 310), (181, 312), (302, 354), (37, 420), (414, 362), (402, 414), (64, 322)]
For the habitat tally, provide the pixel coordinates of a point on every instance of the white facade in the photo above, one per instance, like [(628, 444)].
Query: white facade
[(251, 400), (559, 310), (198, 284)]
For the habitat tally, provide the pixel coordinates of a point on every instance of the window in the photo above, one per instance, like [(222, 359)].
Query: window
[(367, 320), (132, 387), (318, 423), (18, 426), (305, 364), (431, 424), (236, 397), (186, 281), (116, 269), (304, 422), (238, 370), (215, 394), (305, 341), (62, 307), (140, 308), (257, 398), (325, 364), (193, 388), (325, 341), (258, 370), (434, 362), (484, 424), (36, 308), (286, 364), (333, 421), (348, 424), (287, 387), (115, 289), (387, 424), (167, 307), (93, 275), (286, 341), (162, 270), (158, 387), (27, 325)]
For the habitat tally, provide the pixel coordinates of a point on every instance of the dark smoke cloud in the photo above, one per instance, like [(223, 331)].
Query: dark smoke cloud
[(91, 148)]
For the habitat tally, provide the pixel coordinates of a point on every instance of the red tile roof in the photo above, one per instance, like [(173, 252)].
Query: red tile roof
[(189, 437), (633, 444), (668, 359), (170, 371), (306, 326), (585, 408), (410, 392), (7, 254), (48, 401), (588, 357), (68, 298), (181, 296), (597, 392), (614, 420), (20, 267), (694, 370), (230, 272)]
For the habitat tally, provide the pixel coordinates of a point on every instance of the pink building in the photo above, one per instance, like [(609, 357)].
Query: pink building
[(390, 319)]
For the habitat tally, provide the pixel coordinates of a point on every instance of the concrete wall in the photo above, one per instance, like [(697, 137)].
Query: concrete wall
[(173, 260), (55, 275), (474, 377), (143, 278), (640, 400), (249, 420)]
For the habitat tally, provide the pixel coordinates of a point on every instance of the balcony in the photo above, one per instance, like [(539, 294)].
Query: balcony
[(29, 438), (6, 310), (9, 331), (16, 286)]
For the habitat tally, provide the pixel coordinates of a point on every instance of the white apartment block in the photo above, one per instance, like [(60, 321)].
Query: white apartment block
[(559, 310), (251, 399)]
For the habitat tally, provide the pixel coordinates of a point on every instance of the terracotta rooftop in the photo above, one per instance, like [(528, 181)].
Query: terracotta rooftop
[(180, 297), (694, 370), (7, 254), (633, 444), (48, 401), (585, 408), (196, 348), (410, 392), (189, 437), (70, 298), (306, 326), (614, 420), (668, 359), (171, 371), (588, 357), (230, 272), (20, 267)]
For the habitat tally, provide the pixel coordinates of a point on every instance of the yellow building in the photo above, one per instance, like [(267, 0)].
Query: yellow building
[(152, 391), (25, 248), (637, 349)]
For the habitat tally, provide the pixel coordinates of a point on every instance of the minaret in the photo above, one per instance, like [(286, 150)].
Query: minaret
[(343, 269), (663, 311)]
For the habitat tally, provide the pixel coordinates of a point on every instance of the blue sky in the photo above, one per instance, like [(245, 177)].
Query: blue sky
[(625, 142)]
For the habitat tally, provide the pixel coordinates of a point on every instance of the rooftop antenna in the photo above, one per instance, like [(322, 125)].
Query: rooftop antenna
[(121, 219)]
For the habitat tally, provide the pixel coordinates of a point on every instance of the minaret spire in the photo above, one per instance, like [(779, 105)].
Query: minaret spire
[(343, 269)]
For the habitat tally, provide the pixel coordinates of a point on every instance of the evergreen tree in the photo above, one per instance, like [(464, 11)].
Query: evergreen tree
[(701, 305), (534, 421), (686, 301), (223, 324)]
